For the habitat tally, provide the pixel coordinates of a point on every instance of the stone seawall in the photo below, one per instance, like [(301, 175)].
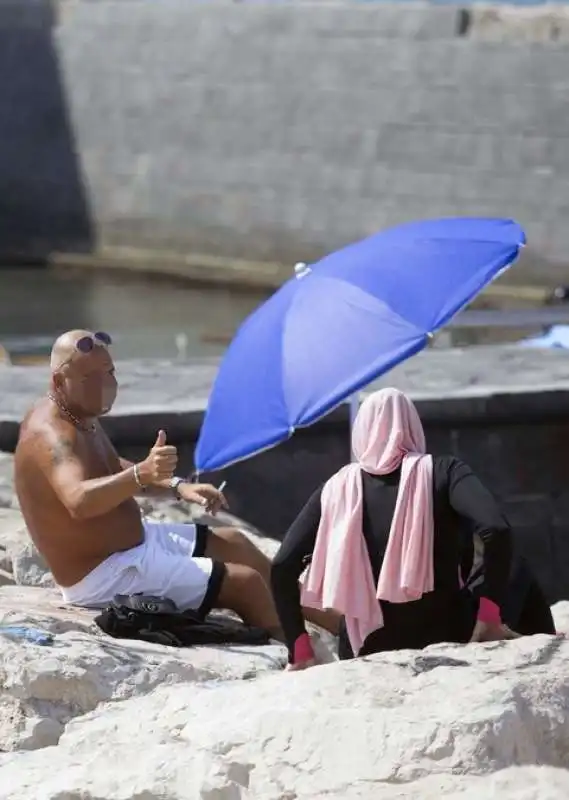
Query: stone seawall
[(276, 131)]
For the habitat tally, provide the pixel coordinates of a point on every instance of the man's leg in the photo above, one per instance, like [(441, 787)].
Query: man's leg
[(230, 546), (196, 582), (244, 591)]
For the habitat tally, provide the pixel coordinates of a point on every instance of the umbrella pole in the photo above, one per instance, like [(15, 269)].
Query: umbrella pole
[(354, 407)]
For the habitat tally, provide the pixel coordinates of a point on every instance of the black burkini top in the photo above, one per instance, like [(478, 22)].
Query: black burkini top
[(463, 509)]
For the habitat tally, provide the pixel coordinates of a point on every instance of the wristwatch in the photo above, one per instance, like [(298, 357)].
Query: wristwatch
[(175, 485)]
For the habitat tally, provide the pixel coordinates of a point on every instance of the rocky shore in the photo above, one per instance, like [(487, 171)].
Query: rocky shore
[(94, 718)]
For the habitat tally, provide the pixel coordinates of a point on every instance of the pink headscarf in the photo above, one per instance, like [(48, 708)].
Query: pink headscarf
[(387, 434)]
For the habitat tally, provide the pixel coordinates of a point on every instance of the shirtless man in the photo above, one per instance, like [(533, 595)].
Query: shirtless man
[(78, 500)]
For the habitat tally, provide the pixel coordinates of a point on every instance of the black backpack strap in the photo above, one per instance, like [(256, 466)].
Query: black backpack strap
[(159, 636)]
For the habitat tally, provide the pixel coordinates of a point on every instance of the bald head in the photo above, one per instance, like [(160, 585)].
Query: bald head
[(83, 373), (65, 347)]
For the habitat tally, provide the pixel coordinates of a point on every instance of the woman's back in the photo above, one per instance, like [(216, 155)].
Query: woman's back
[(391, 525), (462, 508)]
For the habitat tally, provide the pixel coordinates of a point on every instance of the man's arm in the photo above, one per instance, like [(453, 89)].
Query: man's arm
[(202, 494), (57, 455), (161, 489)]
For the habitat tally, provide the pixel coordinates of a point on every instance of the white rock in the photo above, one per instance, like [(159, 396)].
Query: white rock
[(7, 497), (441, 723), (560, 613), (518, 783), (12, 532), (44, 687), (6, 578), (18, 554), (28, 567)]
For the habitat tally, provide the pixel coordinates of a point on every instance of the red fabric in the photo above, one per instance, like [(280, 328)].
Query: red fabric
[(489, 612), (303, 649)]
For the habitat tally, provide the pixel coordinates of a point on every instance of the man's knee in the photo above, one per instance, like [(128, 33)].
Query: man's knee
[(241, 587), (226, 544), (232, 535)]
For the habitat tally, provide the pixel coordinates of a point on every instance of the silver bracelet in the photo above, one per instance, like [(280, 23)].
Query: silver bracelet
[(139, 483)]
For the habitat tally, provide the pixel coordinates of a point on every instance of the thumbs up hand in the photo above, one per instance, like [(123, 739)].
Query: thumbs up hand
[(160, 439), (160, 463)]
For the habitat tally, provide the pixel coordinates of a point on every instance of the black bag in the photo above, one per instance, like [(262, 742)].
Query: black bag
[(158, 620)]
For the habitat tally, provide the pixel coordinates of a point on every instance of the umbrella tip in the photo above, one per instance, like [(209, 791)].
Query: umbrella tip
[(301, 269)]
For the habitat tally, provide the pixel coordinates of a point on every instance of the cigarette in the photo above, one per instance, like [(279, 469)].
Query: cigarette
[(222, 486)]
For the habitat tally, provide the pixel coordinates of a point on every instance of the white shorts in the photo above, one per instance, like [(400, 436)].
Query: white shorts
[(163, 565)]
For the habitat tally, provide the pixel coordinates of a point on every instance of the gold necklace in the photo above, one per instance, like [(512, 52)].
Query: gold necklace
[(77, 422)]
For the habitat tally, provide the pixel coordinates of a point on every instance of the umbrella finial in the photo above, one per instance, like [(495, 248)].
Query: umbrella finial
[(301, 269)]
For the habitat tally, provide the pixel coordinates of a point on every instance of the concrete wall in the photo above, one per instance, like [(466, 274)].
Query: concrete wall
[(278, 130), (43, 200)]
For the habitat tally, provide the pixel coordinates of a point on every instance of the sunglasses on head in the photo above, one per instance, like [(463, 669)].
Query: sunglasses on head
[(86, 343)]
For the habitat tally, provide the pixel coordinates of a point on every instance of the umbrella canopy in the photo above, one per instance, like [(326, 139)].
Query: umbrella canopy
[(338, 325)]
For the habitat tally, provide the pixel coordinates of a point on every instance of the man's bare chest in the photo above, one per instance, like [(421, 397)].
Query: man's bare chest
[(98, 455)]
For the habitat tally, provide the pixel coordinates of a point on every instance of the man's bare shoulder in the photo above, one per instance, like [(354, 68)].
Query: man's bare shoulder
[(45, 436)]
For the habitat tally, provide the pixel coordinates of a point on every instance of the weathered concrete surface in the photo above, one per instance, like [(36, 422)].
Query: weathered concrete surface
[(154, 386), (195, 128)]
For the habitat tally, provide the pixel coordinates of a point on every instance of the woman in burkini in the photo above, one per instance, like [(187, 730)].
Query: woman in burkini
[(385, 541)]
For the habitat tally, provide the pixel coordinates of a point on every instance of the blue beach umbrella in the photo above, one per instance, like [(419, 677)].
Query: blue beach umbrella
[(338, 325)]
